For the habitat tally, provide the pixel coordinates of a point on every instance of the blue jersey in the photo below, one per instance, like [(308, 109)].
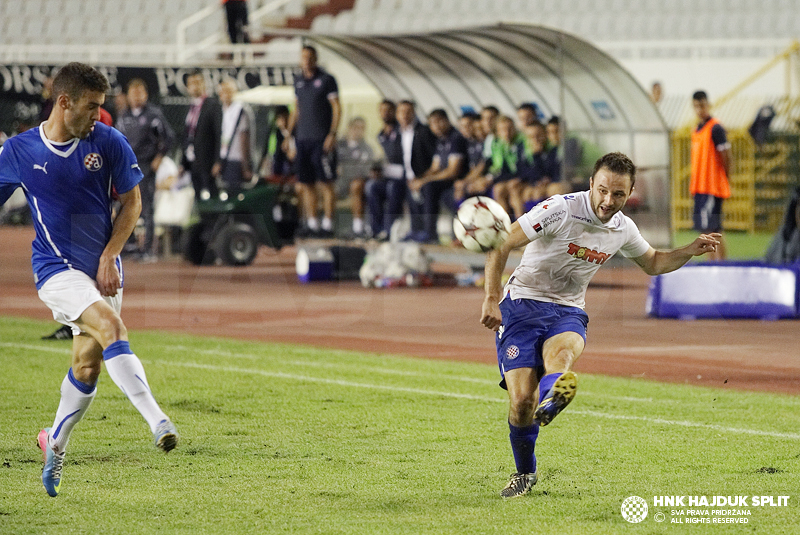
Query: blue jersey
[(68, 187)]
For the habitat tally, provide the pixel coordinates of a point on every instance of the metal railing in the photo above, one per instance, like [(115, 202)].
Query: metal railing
[(187, 51)]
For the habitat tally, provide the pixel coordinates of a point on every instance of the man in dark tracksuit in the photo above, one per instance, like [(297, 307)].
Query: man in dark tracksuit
[(151, 138)]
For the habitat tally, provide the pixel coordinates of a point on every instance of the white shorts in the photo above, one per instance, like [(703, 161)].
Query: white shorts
[(69, 293)]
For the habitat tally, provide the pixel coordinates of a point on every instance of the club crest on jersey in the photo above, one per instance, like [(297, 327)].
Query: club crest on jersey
[(93, 161), (512, 352), (584, 253)]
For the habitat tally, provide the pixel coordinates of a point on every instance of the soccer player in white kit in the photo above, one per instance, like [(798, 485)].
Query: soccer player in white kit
[(68, 168), (539, 317)]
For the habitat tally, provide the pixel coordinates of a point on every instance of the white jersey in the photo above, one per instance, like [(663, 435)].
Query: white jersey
[(568, 245)]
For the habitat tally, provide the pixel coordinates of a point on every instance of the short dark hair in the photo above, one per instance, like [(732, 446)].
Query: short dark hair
[(471, 115), (440, 113), (618, 163), (527, 106), (492, 109), (281, 110), (554, 120), (73, 79), (699, 95), (407, 102), (311, 49), (389, 102)]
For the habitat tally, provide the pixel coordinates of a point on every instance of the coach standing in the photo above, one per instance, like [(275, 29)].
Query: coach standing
[(710, 170), (151, 138), (314, 122)]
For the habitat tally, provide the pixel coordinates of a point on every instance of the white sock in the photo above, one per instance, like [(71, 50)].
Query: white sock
[(312, 223), (327, 224), (358, 225), (75, 400), (126, 370)]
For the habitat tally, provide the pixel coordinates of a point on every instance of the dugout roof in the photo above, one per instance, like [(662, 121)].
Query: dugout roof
[(509, 64)]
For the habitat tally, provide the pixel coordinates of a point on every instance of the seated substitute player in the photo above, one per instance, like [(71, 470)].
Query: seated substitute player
[(67, 168), (539, 317)]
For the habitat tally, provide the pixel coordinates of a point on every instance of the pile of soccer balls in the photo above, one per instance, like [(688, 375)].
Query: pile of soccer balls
[(481, 224), (396, 265)]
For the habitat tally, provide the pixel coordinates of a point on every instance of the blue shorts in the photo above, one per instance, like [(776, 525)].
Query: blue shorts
[(707, 213), (527, 325)]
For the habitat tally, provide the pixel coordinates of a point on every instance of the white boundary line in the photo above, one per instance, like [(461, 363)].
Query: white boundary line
[(352, 384), (594, 414), (390, 371)]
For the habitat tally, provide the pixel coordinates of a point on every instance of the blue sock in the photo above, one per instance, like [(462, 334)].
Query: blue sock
[(523, 442), (546, 384)]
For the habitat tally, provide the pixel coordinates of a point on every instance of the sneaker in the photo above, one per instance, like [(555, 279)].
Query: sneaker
[(62, 333), (519, 485), (557, 398), (53, 463), (166, 436)]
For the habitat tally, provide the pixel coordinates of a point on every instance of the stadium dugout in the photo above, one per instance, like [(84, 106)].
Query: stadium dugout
[(509, 64)]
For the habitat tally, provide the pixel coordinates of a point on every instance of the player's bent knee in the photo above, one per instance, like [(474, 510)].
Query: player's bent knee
[(521, 406), (110, 329)]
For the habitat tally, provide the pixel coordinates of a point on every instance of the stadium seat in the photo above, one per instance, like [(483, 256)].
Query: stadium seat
[(342, 23), (322, 23), (364, 6), (12, 31), (32, 8), (295, 8)]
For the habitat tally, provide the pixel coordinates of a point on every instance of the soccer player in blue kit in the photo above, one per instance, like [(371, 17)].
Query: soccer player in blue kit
[(539, 317), (68, 168)]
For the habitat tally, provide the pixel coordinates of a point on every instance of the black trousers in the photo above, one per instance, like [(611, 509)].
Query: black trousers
[(236, 11)]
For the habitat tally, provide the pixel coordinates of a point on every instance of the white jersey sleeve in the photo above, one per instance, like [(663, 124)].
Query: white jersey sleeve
[(635, 245), (545, 219)]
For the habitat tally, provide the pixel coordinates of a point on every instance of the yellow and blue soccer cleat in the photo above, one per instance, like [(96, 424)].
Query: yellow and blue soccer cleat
[(53, 463), (557, 398)]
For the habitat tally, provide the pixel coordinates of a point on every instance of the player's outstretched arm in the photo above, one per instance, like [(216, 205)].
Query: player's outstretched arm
[(655, 262), (493, 276), (108, 276)]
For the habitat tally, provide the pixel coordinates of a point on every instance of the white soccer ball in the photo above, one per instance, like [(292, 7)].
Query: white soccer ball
[(481, 224)]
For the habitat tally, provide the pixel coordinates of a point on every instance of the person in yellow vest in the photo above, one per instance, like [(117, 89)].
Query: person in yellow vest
[(711, 157)]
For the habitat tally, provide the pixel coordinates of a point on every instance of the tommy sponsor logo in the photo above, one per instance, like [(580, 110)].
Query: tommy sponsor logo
[(40, 167), (584, 253), (93, 161), (581, 218)]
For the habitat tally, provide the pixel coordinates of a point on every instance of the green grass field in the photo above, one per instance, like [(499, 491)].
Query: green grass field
[(285, 439), (741, 245)]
